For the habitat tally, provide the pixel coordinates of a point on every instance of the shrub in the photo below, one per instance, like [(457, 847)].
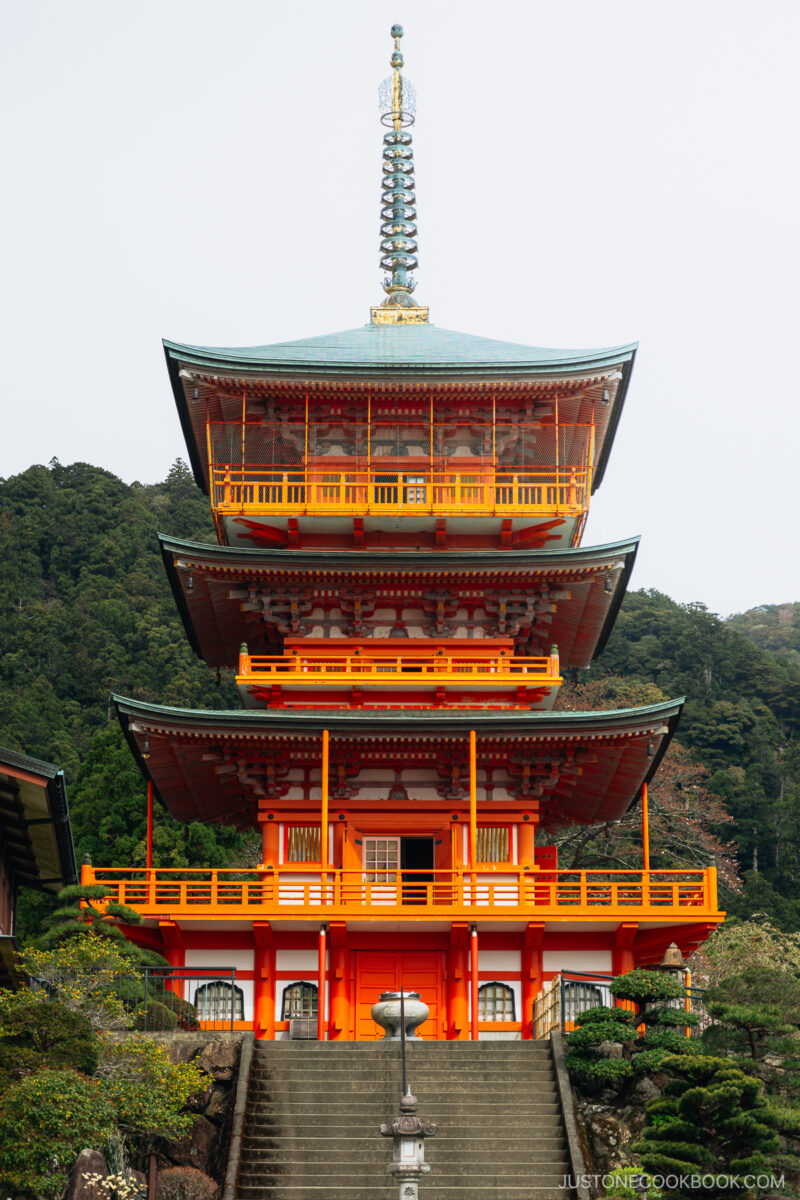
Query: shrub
[(186, 1183), (36, 1031), (592, 1016), (45, 1121), (597, 1073), (646, 989), (87, 973), (155, 1016), (146, 1089)]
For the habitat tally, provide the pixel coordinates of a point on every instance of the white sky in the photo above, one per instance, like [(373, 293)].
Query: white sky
[(588, 174)]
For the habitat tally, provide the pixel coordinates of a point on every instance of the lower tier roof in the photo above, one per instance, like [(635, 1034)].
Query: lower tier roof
[(574, 594), (221, 767)]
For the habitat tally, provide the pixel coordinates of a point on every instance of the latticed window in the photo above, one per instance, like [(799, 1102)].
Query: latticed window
[(493, 843), (299, 1000), (303, 843), (219, 1001), (495, 1002), (381, 859)]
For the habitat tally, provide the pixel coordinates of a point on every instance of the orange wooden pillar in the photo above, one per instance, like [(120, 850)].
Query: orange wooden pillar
[(531, 975), (645, 833), (269, 841), (149, 852), (263, 982), (174, 953), (473, 984), (622, 959), (457, 984), (473, 812), (339, 1023), (526, 844), (322, 1024)]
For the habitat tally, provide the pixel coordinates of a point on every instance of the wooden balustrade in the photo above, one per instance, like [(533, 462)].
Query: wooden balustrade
[(264, 490), (493, 890), (490, 667)]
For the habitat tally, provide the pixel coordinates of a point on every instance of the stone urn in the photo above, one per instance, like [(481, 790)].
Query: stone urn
[(386, 1013)]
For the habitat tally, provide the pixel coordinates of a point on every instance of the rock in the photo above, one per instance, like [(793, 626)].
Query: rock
[(88, 1162), (219, 1059), (196, 1148), (217, 1106), (610, 1049), (645, 1090), (199, 1101)]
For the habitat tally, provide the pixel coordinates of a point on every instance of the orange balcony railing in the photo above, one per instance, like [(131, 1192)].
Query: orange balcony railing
[(409, 669), (492, 891), (485, 492)]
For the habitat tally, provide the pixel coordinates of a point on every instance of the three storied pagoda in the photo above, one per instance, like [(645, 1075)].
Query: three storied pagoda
[(399, 578)]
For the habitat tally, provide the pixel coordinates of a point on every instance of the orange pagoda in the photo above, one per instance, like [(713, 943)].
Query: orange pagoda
[(401, 583)]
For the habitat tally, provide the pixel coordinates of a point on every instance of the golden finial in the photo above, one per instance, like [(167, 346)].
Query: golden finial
[(398, 204)]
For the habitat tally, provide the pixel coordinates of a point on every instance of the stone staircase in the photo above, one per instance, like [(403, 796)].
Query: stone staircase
[(314, 1111)]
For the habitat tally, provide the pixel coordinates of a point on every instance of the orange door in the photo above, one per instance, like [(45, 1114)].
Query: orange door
[(382, 970)]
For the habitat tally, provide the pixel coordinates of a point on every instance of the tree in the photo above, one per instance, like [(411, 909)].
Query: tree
[(689, 825), (45, 1121), (712, 1121), (761, 1003)]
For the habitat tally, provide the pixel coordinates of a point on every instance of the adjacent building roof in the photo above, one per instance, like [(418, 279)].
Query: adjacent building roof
[(34, 822), (392, 353), (205, 581), (218, 766)]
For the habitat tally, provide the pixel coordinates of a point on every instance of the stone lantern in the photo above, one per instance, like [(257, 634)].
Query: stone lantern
[(408, 1158)]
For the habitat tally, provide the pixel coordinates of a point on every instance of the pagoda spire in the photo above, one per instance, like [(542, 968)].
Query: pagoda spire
[(398, 201)]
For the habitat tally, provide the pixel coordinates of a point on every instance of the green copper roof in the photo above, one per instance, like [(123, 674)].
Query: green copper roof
[(415, 349)]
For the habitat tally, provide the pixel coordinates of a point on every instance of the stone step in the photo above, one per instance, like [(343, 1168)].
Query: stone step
[(504, 1143), (444, 1177), (366, 1106), (516, 1163), (425, 1094), (540, 1189)]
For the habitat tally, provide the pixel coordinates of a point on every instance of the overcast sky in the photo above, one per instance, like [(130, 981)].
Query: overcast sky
[(588, 174)]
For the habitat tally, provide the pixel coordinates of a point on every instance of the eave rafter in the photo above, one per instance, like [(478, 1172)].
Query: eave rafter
[(575, 769)]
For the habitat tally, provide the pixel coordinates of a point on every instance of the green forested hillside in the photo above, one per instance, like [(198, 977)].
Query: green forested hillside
[(741, 719), (87, 611), (774, 627)]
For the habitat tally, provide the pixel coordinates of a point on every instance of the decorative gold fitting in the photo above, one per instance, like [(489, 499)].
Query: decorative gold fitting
[(399, 316)]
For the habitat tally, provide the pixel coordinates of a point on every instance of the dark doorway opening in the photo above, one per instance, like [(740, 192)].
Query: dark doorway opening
[(416, 862)]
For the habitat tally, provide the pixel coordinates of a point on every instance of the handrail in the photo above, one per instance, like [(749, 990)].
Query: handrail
[(502, 887), (467, 663), (415, 489)]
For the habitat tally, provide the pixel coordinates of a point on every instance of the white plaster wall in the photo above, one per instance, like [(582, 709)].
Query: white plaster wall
[(296, 960), (242, 960), (499, 961), (576, 960)]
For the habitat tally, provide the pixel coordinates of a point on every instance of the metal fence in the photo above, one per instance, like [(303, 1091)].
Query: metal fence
[(570, 993), (151, 999)]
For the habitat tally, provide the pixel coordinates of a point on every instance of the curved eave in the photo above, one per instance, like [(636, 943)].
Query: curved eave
[(217, 651), (458, 356), (48, 858), (159, 724)]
